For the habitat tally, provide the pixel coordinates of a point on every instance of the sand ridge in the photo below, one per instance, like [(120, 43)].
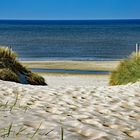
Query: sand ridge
[(84, 112)]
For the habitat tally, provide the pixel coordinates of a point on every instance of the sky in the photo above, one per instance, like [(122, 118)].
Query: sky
[(69, 9)]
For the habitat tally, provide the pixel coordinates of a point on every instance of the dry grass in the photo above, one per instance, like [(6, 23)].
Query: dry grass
[(128, 71), (35, 79), (6, 53), (8, 75), (11, 69)]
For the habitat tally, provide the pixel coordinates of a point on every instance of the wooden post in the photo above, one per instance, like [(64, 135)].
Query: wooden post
[(10, 48), (137, 50)]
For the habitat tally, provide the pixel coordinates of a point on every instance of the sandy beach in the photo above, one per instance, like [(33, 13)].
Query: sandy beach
[(57, 80), (70, 70), (78, 65), (88, 110)]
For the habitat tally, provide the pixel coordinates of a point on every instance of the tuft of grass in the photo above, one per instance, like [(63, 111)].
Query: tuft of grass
[(20, 68), (36, 130), (8, 75), (62, 133), (12, 70), (49, 132), (35, 79), (6, 53), (21, 130), (128, 71), (11, 108), (9, 129)]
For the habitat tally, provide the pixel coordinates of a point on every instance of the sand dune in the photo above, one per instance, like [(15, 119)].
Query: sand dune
[(85, 112), (56, 80)]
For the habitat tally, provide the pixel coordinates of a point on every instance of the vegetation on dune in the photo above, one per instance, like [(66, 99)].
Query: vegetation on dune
[(12, 70), (6, 53), (128, 71), (35, 79), (8, 75)]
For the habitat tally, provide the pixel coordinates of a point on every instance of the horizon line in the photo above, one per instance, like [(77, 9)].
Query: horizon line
[(71, 19)]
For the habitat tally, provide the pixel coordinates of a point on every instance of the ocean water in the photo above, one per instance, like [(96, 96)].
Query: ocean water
[(71, 40), (97, 72)]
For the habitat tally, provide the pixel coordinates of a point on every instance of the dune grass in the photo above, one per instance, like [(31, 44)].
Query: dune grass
[(11, 69), (35, 79), (6, 53), (8, 75), (128, 71)]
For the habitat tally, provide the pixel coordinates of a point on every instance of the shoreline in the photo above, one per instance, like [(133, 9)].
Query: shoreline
[(74, 79)]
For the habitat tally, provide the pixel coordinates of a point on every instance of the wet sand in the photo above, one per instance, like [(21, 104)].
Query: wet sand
[(77, 65)]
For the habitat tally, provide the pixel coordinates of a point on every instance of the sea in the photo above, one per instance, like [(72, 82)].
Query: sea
[(83, 40)]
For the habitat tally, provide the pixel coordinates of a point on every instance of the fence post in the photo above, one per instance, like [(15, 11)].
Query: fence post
[(137, 50), (10, 48)]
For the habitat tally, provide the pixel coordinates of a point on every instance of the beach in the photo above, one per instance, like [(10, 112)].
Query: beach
[(76, 58), (83, 106), (78, 65), (66, 79), (85, 112), (76, 80)]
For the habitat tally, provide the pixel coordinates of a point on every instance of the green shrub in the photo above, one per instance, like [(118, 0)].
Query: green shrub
[(127, 71)]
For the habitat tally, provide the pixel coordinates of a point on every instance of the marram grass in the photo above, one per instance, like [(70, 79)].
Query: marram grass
[(8, 75), (13, 70), (35, 79), (6, 53), (128, 71)]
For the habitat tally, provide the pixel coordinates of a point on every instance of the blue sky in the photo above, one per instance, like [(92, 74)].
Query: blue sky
[(69, 9)]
